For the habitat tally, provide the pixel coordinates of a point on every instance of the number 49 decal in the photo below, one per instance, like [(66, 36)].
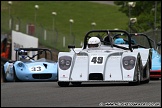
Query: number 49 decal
[(96, 60)]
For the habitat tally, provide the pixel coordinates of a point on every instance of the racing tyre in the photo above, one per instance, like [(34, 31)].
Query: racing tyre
[(146, 81), (14, 75), (138, 82), (138, 76), (3, 75), (154, 78), (76, 83), (148, 74), (63, 84)]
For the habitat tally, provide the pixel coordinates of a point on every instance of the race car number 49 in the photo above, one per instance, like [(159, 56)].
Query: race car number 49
[(96, 60)]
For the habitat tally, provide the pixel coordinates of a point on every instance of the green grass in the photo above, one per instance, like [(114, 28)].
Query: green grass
[(82, 12)]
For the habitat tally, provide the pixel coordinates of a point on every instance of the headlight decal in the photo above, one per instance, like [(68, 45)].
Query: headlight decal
[(62, 62), (65, 62), (68, 63), (129, 62), (20, 64), (125, 62)]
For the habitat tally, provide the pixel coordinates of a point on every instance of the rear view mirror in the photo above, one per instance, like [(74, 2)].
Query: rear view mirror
[(159, 43), (71, 46)]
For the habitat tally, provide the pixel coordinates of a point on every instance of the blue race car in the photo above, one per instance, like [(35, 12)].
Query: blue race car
[(141, 40), (31, 64), (155, 72)]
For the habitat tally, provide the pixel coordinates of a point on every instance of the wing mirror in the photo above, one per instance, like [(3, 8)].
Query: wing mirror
[(71, 47), (159, 43)]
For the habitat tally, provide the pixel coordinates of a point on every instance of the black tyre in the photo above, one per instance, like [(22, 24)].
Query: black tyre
[(154, 78), (146, 81), (63, 84), (138, 82), (76, 83), (14, 75), (138, 76), (3, 75), (148, 74)]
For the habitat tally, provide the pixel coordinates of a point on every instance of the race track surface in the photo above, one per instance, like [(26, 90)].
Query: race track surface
[(92, 94)]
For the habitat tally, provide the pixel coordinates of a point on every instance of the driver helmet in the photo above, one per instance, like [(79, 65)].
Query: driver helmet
[(22, 54), (94, 42), (119, 41)]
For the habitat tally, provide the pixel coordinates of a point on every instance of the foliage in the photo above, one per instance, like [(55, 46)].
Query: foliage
[(147, 15)]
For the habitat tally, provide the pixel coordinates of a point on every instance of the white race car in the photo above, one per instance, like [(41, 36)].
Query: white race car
[(100, 60)]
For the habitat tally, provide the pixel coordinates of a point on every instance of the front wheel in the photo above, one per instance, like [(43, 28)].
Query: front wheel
[(63, 84), (3, 75), (14, 76), (147, 74), (146, 81), (138, 76), (76, 83), (138, 82)]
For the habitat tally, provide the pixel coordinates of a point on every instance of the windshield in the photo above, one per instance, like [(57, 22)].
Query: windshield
[(136, 38), (106, 38), (143, 40)]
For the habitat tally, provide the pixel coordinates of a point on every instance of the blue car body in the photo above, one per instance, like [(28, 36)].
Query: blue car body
[(41, 69), (155, 72)]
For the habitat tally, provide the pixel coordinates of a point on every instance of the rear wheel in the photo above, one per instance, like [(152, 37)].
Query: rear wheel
[(63, 84), (154, 78)]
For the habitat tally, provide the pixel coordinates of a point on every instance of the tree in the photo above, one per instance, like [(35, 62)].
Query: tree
[(148, 14)]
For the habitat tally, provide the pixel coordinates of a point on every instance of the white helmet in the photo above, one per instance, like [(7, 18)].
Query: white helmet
[(94, 42), (22, 54)]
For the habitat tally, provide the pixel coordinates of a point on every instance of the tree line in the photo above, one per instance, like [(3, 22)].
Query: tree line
[(146, 13)]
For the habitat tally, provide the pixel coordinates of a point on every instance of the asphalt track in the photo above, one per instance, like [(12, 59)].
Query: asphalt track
[(49, 94)]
